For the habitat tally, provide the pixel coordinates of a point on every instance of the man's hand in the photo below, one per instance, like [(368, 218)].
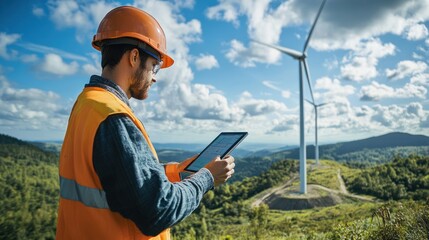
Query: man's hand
[(221, 169)]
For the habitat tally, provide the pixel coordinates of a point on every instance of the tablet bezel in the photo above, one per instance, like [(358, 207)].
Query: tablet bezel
[(228, 151)]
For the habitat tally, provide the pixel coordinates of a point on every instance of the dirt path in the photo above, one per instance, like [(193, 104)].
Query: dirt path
[(343, 188), (286, 186), (281, 188)]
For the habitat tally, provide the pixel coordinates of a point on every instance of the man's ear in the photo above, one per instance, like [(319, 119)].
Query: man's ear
[(134, 57)]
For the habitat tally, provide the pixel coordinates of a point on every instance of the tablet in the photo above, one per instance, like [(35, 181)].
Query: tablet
[(221, 146)]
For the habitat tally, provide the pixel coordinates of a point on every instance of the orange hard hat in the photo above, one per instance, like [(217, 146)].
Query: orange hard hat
[(131, 25)]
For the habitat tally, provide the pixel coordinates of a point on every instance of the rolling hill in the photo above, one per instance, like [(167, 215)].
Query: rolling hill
[(377, 149), (29, 197)]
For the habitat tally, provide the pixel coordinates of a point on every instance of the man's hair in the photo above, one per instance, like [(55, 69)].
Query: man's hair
[(112, 54)]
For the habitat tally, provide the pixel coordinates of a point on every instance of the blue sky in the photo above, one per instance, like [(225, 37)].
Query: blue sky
[(367, 59)]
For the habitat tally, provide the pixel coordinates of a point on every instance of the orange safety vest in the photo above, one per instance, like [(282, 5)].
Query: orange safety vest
[(83, 211)]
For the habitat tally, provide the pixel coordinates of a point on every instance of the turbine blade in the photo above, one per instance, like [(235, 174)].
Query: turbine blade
[(293, 53), (312, 27), (307, 72), (323, 104), (312, 103)]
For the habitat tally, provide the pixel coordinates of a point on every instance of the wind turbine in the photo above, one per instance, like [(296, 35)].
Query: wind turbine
[(316, 106), (301, 57)]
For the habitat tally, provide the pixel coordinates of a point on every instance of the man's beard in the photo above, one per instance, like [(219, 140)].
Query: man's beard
[(139, 89)]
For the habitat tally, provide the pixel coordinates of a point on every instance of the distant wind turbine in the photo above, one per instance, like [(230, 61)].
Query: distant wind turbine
[(316, 106), (301, 57)]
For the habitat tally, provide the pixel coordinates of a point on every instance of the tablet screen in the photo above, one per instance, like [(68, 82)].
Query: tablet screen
[(221, 146)]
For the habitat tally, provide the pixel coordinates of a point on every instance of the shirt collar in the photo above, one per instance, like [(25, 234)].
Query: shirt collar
[(98, 81)]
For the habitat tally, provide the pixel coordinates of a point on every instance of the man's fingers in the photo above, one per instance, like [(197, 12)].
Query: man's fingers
[(229, 159), (230, 166)]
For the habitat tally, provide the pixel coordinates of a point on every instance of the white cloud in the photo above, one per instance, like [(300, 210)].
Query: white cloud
[(38, 12), (255, 107), (285, 93), (54, 64), (287, 124), (206, 62), (91, 69), (84, 16), (5, 40), (425, 123), (31, 109), (50, 50), (405, 69), (420, 79), (416, 32), (332, 90), (342, 25), (201, 103), (178, 97), (349, 22), (259, 16), (240, 55), (377, 91), (361, 63), (226, 10), (394, 117), (95, 67)]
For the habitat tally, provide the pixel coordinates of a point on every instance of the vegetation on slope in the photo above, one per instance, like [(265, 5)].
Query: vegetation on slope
[(403, 178), (29, 191), (29, 200)]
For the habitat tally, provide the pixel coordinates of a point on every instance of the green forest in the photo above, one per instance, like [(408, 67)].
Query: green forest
[(399, 209)]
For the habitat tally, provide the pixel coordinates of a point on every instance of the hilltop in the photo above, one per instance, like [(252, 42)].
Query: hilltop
[(326, 187), (360, 153), (377, 149)]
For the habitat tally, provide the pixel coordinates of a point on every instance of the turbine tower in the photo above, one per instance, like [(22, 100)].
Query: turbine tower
[(316, 152), (301, 57)]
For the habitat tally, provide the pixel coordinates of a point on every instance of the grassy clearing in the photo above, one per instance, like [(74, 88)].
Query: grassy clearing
[(326, 174)]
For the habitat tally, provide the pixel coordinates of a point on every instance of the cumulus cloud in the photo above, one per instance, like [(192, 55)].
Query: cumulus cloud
[(346, 23), (377, 91), (421, 79), (416, 32), (54, 64), (30, 109), (93, 68), (179, 97), (399, 118), (425, 123), (206, 62), (259, 16), (405, 69), (5, 40), (361, 63), (332, 89), (201, 103), (226, 10), (342, 25), (83, 16), (283, 125), (255, 107)]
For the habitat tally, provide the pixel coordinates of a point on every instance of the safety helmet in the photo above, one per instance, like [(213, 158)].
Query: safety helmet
[(131, 25)]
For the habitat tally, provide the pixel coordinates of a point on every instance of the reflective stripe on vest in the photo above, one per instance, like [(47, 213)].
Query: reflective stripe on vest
[(91, 197)]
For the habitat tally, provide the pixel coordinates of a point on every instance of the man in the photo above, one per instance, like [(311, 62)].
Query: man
[(112, 185)]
